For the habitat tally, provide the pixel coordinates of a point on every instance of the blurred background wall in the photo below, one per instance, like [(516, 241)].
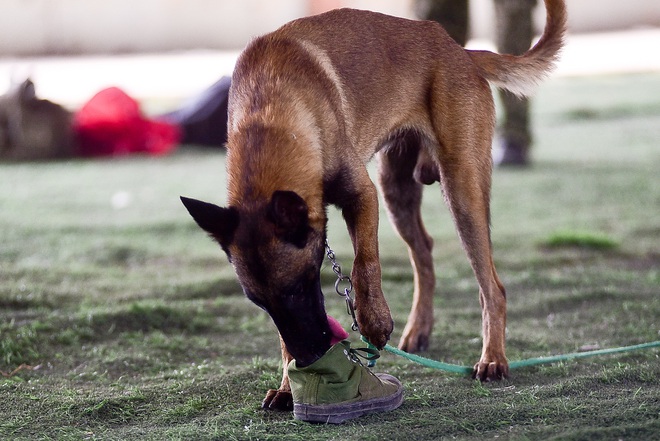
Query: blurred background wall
[(50, 27)]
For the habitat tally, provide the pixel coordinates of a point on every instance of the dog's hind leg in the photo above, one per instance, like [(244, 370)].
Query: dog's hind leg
[(403, 197), (464, 159)]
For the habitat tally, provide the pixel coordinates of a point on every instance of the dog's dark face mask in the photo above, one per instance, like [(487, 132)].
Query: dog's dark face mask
[(277, 256)]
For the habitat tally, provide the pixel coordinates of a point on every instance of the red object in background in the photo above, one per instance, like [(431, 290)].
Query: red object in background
[(111, 124)]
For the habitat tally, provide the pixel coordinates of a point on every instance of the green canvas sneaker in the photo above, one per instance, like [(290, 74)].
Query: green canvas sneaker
[(337, 387)]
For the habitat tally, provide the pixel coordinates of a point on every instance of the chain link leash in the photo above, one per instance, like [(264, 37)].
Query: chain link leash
[(345, 280)]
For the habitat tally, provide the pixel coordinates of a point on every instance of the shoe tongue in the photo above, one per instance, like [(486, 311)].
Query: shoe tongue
[(338, 332)]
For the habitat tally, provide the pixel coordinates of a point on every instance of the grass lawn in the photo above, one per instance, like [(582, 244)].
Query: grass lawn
[(120, 319)]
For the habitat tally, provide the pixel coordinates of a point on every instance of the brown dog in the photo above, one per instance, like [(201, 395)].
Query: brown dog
[(310, 105)]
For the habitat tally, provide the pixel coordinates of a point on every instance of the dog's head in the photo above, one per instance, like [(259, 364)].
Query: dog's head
[(277, 255)]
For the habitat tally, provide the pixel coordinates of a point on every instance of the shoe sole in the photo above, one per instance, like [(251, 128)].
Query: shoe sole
[(340, 412)]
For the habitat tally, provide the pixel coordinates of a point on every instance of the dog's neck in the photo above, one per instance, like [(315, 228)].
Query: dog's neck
[(263, 159), (277, 137)]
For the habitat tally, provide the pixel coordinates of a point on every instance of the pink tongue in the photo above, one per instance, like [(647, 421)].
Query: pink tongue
[(338, 333)]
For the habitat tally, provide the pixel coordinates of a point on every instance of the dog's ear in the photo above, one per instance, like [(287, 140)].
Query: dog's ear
[(219, 222), (289, 213)]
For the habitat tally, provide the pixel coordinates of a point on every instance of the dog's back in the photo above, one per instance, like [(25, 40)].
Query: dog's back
[(378, 69), (351, 69)]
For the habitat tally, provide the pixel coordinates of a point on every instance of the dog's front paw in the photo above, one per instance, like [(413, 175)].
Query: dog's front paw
[(280, 400), (486, 370), (376, 325)]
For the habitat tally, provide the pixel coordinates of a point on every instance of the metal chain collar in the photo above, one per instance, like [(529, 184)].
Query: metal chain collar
[(342, 279)]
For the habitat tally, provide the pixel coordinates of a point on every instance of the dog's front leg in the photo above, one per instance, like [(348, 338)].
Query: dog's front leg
[(281, 399), (361, 215)]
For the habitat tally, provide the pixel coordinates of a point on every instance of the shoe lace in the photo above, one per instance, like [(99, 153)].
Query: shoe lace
[(356, 355)]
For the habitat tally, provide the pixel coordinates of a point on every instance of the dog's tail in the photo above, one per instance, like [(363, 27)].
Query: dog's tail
[(521, 74)]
